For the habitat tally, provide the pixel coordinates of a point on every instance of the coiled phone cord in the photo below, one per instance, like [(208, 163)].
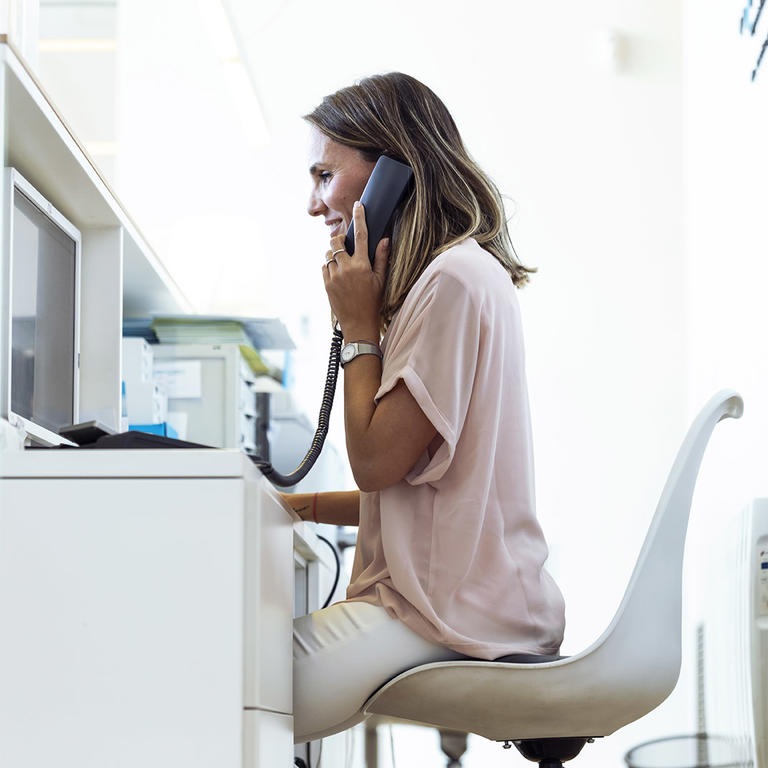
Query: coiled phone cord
[(323, 422)]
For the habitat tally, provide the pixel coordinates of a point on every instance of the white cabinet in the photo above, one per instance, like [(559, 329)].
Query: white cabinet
[(268, 740), (146, 601), (221, 412)]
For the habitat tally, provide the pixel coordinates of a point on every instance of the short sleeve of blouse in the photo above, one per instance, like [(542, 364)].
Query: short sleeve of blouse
[(432, 345)]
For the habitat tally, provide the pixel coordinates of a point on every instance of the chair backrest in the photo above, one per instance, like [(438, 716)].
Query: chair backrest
[(647, 625)]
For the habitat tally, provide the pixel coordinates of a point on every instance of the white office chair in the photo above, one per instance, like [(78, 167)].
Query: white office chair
[(549, 709)]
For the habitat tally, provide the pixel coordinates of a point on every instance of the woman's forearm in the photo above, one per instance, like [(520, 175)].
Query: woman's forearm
[(333, 507)]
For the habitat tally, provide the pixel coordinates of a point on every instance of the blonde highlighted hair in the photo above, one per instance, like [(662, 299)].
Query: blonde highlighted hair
[(451, 198)]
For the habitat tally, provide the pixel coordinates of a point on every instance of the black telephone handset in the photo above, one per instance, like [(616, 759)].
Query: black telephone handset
[(384, 191)]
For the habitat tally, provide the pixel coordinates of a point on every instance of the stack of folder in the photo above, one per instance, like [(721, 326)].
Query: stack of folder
[(260, 333), (191, 329), (251, 334)]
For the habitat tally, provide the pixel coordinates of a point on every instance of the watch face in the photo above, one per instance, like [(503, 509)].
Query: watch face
[(348, 353)]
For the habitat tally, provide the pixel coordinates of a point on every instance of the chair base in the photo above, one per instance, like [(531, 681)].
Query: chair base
[(549, 753)]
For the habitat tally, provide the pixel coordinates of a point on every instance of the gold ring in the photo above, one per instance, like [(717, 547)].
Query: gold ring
[(328, 261), (341, 250)]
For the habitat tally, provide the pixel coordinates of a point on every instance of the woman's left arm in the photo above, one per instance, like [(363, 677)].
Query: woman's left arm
[(384, 439)]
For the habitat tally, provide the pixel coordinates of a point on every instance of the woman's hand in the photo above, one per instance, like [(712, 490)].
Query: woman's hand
[(334, 507), (354, 289)]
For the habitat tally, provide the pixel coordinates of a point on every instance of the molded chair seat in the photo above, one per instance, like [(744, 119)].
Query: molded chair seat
[(548, 709)]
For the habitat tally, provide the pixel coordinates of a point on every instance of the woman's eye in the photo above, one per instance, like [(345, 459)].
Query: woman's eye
[(325, 177)]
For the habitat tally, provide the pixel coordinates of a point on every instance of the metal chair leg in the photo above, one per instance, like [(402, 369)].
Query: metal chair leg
[(454, 745), (371, 745)]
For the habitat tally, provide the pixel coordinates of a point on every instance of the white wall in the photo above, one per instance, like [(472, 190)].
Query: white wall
[(726, 115)]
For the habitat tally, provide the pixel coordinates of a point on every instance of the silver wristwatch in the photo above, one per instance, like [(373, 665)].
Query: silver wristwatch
[(350, 351)]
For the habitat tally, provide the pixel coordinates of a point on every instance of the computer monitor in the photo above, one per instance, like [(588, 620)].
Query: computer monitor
[(41, 297)]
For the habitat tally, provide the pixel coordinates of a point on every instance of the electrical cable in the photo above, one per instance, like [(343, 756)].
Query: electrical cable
[(323, 422), (338, 570)]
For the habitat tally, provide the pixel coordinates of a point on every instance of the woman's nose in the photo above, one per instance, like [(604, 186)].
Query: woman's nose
[(316, 205)]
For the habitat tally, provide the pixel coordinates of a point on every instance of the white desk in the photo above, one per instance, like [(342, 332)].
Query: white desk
[(146, 601)]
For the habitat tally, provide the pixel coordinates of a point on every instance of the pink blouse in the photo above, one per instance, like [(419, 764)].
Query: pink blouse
[(454, 550)]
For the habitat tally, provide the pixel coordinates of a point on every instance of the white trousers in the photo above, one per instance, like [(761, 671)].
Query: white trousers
[(341, 655)]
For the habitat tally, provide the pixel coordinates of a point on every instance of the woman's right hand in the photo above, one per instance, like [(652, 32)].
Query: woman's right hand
[(354, 289)]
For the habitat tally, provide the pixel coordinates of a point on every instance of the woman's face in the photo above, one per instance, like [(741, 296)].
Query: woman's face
[(339, 174)]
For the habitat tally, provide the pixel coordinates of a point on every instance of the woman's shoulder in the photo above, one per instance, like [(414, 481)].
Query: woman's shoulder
[(463, 281), (470, 264), (464, 273)]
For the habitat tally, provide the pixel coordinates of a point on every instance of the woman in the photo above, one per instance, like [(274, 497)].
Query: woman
[(449, 557)]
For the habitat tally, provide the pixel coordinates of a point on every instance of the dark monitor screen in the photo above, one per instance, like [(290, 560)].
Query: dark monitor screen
[(45, 250)]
